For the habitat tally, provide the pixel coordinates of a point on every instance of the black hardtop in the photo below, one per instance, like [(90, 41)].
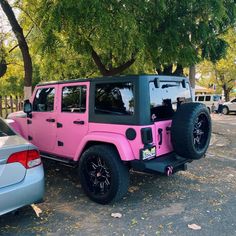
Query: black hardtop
[(108, 79)]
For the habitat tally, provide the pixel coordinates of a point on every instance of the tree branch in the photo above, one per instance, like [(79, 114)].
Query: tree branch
[(113, 71), (17, 45)]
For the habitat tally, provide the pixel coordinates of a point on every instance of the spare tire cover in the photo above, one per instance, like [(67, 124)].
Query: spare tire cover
[(191, 130)]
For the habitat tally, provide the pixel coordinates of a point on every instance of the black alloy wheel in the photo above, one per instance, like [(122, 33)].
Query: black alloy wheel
[(98, 176), (200, 132), (103, 176)]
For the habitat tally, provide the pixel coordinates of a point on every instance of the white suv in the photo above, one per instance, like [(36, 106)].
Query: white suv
[(210, 100), (229, 106)]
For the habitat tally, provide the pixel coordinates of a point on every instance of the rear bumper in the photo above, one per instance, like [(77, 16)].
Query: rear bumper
[(166, 164), (28, 191)]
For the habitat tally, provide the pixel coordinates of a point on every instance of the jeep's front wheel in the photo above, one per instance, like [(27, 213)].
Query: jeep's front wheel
[(103, 176)]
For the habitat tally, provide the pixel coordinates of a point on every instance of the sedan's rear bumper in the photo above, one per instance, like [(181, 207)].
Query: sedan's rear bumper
[(28, 191), (167, 164)]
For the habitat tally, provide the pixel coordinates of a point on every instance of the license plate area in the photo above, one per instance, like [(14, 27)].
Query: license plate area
[(148, 153)]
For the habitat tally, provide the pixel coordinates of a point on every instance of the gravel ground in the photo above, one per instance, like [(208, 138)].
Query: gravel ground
[(155, 205)]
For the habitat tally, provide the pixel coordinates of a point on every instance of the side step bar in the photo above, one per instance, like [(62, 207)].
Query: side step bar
[(63, 160)]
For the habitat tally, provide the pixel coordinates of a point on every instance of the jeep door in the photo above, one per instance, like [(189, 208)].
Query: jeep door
[(72, 120), (42, 125)]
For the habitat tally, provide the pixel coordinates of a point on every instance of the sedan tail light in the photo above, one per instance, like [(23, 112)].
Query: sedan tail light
[(28, 159)]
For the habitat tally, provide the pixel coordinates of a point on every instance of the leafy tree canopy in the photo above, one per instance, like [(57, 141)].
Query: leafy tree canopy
[(114, 32), (69, 38), (223, 72)]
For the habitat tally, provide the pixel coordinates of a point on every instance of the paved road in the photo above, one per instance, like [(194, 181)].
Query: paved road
[(155, 205)]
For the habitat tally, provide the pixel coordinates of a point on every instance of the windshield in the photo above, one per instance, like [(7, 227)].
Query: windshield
[(167, 98), (4, 129)]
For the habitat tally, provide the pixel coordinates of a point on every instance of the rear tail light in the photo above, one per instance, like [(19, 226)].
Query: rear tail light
[(146, 134), (28, 159)]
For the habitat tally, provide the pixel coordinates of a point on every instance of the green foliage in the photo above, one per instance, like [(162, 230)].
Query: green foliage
[(155, 33), (222, 72)]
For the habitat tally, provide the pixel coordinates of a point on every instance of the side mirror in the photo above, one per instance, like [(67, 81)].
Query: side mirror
[(183, 82), (157, 83), (28, 108)]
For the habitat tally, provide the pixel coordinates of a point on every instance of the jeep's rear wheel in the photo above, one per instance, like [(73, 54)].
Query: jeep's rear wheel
[(191, 130), (103, 176)]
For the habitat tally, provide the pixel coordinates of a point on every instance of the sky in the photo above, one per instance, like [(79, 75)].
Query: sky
[(4, 24)]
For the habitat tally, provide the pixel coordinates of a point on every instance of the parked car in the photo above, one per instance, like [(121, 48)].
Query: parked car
[(106, 126), (210, 100), (21, 171), (229, 107)]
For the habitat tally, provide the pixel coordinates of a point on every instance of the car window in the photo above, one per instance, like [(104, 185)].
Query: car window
[(201, 98), (234, 100), (114, 98), (44, 100), (74, 99), (196, 98), (5, 130), (216, 98), (208, 98)]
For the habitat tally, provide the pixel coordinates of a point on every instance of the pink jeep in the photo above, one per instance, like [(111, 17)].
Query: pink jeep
[(106, 126)]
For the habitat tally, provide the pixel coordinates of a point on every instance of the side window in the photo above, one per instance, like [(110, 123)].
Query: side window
[(114, 98), (216, 98), (201, 98), (74, 99), (208, 98), (196, 98), (44, 100), (233, 100)]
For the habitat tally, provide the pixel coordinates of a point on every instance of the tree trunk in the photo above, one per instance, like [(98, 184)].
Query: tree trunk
[(114, 70), (179, 71), (23, 47), (192, 72), (226, 92)]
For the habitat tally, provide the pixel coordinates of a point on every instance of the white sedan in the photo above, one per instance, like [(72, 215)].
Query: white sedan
[(229, 107), (21, 171)]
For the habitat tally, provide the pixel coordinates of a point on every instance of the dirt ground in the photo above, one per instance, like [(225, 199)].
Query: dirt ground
[(155, 205)]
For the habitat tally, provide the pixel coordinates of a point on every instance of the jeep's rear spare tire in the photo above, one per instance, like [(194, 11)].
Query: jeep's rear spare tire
[(191, 130), (103, 176)]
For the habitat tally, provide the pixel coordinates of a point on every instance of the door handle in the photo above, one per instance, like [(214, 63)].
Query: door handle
[(50, 120), (160, 134), (78, 122)]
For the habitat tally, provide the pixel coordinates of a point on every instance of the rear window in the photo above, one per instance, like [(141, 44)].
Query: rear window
[(114, 98), (167, 98), (5, 130)]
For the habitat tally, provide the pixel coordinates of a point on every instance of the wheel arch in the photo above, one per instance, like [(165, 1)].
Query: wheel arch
[(117, 141)]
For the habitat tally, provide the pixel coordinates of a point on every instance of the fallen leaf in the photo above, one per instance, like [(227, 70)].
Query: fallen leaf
[(36, 209), (116, 215), (133, 189), (134, 221), (194, 227)]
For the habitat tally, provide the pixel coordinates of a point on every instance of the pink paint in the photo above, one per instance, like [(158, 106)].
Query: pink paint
[(76, 135)]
